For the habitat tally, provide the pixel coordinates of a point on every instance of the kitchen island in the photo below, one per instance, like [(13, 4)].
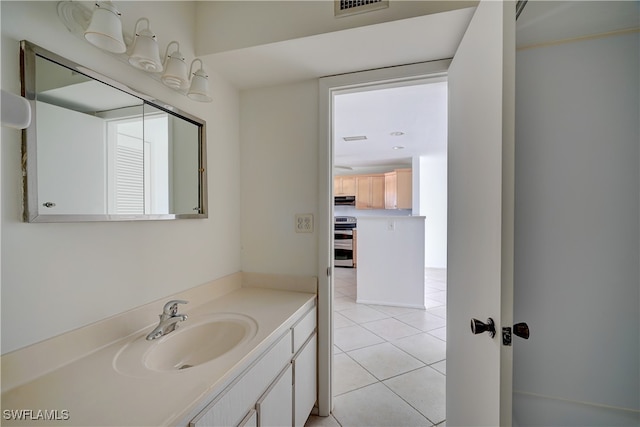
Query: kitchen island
[(391, 261)]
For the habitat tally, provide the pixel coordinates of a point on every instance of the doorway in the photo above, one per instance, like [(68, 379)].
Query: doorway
[(329, 88)]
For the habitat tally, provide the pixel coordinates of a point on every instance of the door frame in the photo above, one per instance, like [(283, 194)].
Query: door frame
[(328, 87)]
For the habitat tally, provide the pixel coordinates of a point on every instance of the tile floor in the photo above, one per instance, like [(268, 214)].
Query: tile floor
[(389, 362)]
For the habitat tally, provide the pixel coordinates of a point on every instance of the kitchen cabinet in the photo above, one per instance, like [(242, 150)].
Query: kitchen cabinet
[(370, 191), (344, 185), (398, 189)]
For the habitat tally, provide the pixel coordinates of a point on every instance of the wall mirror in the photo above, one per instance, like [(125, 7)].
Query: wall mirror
[(97, 150)]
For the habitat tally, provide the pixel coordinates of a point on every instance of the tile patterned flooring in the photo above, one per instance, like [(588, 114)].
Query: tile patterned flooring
[(389, 362)]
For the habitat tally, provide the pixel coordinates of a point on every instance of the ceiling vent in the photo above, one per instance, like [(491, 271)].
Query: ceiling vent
[(351, 7), (354, 138)]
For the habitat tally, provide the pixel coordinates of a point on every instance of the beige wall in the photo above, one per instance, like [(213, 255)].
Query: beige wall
[(279, 149), (58, 277)]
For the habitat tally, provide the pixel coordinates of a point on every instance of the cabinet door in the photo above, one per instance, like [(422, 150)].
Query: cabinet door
[(390, 190), (404, 189), (377, 192), (363, 196), (232, 404), (344, 185), (337, 186), (349, 185), (304, 381), (275, 407)]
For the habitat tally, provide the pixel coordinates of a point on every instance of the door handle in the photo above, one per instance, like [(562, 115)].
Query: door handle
[(521, 330), (478, 327)]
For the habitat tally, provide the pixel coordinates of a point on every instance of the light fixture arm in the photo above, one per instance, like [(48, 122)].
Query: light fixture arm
[(107, 4), (193, 62), (135, 29), (166, 54)]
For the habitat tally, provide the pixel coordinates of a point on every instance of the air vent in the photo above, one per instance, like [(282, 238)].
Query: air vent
[(351, 7), (354, 138)]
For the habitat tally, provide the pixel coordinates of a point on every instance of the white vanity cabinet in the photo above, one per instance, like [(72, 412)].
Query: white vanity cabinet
[(304, 339), (304, 381), (276, 404), (278, 389), (250, 420)]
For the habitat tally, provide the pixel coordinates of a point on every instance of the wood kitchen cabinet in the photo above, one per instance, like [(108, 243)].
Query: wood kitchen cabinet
[(370, 191), (344, 185), (398, 189)]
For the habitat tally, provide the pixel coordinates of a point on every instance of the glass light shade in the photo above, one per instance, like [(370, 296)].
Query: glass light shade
[(105, 29), (146, 53), (175, 69), (199, 90)]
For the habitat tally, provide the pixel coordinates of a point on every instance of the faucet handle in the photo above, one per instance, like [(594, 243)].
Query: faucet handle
[(171, 308)]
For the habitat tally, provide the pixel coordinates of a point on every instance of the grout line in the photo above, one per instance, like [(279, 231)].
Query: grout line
[(385, 340)]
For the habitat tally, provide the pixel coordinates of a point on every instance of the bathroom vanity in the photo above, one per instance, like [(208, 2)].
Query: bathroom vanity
[(259, 367)]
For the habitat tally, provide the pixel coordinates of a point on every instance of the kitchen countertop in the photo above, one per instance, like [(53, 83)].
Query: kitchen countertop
[(89, 391)]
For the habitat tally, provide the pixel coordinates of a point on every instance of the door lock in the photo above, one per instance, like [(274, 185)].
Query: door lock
[(519, 329)]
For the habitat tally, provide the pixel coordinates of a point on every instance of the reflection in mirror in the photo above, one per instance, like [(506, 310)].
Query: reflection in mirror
[(98, 151)]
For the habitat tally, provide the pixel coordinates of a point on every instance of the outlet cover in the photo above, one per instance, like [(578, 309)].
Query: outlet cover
[(304, 223)]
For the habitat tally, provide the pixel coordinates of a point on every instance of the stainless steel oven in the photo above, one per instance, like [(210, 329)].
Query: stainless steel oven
[(343, 242)]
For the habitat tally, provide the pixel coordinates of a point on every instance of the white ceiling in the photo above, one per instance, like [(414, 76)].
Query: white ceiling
[(419, 112), (405, 41)]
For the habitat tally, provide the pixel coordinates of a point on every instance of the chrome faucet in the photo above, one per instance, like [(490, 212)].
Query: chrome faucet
[(168, 320)]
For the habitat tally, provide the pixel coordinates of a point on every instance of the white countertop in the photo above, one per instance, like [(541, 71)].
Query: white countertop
[(94, 393)]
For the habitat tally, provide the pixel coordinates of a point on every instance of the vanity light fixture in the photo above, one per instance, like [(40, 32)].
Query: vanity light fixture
[(199, 90), (145, 53), (175, 75), (105, 29), (102, 28)]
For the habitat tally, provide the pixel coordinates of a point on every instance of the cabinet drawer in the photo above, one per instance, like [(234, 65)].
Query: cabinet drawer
[(231, 405), (302, 329)]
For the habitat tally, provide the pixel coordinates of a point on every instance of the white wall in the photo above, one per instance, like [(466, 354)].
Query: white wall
[(279, 148), (58, 277), (431, 173), (391, 261), (230, 25), (577, 230)]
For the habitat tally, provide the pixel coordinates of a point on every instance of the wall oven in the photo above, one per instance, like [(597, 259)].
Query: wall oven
[(344, 248)]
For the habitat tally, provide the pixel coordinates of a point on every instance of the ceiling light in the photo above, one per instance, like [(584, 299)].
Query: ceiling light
[(398, 133), (105, 29), (398, 147), (199, 89), (175, 75), (145, 53), (354, 138)]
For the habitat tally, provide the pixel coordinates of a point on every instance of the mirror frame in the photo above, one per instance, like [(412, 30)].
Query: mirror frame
[(31, 212)]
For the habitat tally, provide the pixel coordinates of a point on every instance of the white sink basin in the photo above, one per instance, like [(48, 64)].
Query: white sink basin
[(196, 341)]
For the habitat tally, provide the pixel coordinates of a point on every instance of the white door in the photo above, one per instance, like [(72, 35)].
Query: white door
[(480, 218)]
